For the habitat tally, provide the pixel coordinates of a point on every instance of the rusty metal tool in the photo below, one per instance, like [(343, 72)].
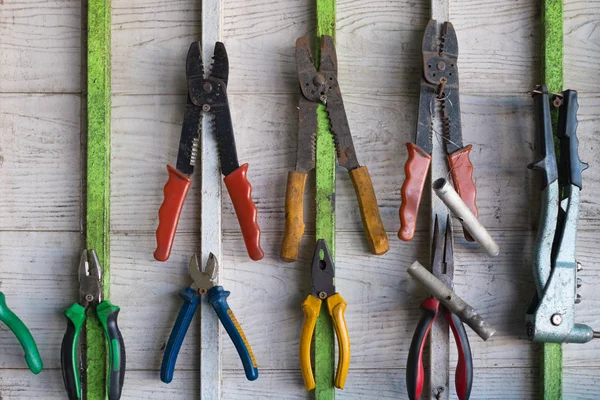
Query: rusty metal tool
[(207, 95), (439, 84), (322, 87)]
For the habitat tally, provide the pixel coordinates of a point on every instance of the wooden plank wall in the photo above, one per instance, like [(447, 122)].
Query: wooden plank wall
[(379, 56)]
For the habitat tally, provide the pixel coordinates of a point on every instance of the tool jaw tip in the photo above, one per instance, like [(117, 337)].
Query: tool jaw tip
[(323, 271), (90, 274), (204, 280)]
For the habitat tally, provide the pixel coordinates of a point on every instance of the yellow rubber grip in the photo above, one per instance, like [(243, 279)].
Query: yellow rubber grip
[(369, 212), (294, 216), (336, 306), (312, 309)]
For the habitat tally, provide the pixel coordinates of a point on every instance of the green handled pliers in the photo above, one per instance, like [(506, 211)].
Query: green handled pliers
[(90, 292), (32, 355)]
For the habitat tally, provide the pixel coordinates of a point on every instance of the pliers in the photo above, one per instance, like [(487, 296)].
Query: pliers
[(207, 95), (90, 293), (323, 288), (439, 84), (316, 88), (18, 328), (205, 283), (442, 265)]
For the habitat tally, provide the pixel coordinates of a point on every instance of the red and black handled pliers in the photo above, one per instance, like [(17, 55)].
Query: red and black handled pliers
[(443, 269)]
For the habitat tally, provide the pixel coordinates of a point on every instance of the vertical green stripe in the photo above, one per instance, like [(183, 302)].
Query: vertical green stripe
[(325, 223), (97, 224), (552, 75)]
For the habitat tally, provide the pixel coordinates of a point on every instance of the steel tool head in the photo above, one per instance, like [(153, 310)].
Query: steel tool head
[(323, 272), (220, 66), (442, 260), (90, 274), (204, 280)]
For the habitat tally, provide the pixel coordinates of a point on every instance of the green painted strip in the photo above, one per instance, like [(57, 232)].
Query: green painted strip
[(325, 223), (97, 224), (552, 75)]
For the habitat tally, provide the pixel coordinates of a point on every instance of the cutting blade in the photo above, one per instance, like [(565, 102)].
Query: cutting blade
[(307, 129)]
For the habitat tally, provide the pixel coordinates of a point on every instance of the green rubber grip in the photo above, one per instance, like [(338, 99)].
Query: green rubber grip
[(107, 314), (32, 355), (69, 351)]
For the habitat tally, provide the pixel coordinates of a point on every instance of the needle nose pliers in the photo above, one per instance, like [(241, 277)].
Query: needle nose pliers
[(205, 283), (18, 328), (323, 289), (90, 292)]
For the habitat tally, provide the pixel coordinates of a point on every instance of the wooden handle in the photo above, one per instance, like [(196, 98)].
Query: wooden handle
[(294, 216), (240, 192), (336, 306), (175, 191), (461, 169), (369, 212), (415, 171)]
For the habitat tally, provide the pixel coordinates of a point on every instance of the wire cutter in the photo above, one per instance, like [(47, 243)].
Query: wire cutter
[(439, 83), (442, 265), (205, 283), (323, 288), (207, 95), (18, 328), (90, 293), (322, 87), (550, 317)]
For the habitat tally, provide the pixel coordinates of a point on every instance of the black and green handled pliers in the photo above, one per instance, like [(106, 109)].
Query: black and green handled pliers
[(32, 355), (90, 292)]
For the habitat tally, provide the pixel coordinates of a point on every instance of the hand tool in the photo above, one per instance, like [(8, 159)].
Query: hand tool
[(439, 84), (207, 95), (18, 328), (550, 317), (323, 288), (442, 265), (322, 87), (205, 284), (460, 210), (90, 293)]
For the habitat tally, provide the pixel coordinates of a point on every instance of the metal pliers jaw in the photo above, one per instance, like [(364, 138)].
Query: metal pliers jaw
[(205, 283), (90, 275)]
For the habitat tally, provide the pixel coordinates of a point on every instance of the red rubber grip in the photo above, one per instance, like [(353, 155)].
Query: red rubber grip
[(240, 192), (461, 169), (175, 191), (464, 368), (415, 170)]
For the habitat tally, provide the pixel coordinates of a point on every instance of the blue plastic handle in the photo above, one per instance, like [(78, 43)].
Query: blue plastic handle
[(191, 298), (217, 297)]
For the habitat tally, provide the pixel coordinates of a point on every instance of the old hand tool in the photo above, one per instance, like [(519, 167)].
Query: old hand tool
[(439, 84), (205, 284), (442, 265), (323, 288), (18, 328), (550, 317), (207, 95), (322, 87), (90, 293)]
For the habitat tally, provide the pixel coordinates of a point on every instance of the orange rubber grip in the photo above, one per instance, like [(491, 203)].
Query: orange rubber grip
[(415, 171), (175, 191), (240, 192), (294, 216), (461, 169)]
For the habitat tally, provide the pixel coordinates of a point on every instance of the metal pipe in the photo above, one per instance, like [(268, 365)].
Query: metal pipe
[(452, 200), (451, 301)]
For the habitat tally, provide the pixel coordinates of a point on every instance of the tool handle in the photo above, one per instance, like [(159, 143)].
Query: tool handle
[(32, 355), (69, 351), (336, 307), (415, 171), (571, 166), (217, 297), (461, 169), (240, 192), (294, 216), (544, 139), (175, 191), (369, 212), (107, 314), (415, 372), (312, 308), (191, 298), (464, 368)]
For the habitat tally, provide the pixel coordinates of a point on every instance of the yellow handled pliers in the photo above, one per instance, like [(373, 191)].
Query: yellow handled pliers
[(323, 288)]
